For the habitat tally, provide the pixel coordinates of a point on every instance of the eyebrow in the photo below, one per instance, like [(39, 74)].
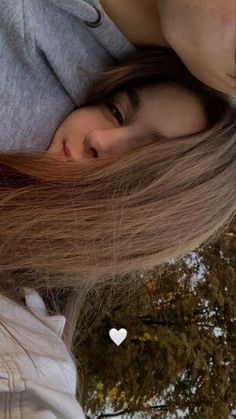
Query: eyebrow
[(230, 75), (136, 103), (134, 98), (158, 136)]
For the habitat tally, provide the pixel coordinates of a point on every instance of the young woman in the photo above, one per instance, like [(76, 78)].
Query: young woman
[(148, 178)]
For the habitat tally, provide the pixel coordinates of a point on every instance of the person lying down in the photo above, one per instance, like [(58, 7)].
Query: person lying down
[(145, 171)]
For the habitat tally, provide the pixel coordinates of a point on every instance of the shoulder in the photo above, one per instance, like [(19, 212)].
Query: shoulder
[(34, 362)]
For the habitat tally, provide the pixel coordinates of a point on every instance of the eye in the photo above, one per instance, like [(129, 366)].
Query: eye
[(115, 111)]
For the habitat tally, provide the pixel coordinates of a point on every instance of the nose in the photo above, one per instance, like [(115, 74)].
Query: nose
[(100, 143)]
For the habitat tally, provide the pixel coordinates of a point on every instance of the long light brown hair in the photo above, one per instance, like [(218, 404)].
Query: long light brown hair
[(66, 227)]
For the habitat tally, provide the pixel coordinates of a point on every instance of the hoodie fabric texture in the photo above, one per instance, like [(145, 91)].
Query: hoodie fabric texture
[(50, 52)]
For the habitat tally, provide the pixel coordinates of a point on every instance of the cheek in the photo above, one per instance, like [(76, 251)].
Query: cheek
[(79, 122), (136, 135), (191, 122), (182, 120)]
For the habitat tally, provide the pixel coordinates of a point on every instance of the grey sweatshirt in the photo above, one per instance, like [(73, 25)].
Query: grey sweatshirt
[(50, 51)]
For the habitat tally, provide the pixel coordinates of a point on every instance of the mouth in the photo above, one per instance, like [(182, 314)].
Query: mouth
[(67, 151)]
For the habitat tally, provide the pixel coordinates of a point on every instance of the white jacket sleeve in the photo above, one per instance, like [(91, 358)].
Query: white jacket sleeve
[(42, 386)]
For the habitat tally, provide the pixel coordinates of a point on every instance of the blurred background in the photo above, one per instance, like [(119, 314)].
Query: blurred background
[(179, 357)]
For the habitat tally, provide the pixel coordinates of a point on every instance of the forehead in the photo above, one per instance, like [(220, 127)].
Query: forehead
[(170, 109)]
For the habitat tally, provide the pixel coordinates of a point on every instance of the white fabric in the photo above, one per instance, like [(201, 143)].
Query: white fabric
[(46, 387)]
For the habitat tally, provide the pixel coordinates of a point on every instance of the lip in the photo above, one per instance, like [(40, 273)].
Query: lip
[(65, 151)]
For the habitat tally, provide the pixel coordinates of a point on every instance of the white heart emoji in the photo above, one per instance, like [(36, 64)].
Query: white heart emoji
[(118, 335)]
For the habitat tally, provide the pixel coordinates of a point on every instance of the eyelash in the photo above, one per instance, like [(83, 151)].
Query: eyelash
[(110, 105)]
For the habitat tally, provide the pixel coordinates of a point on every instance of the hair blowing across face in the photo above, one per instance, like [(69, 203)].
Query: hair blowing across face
[(63, 224)]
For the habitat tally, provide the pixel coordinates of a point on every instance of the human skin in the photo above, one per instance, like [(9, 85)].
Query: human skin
[(118, 126), (202, 33)]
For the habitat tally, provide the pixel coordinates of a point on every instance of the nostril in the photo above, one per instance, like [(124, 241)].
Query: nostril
[(94, 152)]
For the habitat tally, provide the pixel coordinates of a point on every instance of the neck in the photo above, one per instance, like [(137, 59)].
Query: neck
[(138, 20)]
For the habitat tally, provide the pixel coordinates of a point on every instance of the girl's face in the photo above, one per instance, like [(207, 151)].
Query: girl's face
[(128, 120)]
